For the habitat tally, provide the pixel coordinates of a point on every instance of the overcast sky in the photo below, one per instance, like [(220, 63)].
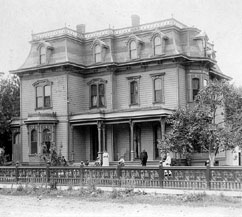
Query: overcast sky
[(221, 20)]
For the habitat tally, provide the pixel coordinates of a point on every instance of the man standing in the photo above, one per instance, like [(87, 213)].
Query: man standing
[(143, 157)]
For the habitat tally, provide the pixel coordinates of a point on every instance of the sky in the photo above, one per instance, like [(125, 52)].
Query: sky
[(220, 19)]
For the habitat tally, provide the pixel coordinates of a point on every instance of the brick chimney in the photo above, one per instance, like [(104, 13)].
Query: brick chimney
[(135, 19), (81, 28)]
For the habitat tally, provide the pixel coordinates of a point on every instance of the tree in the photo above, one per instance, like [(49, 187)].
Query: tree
[(9, 107), (209, 125)]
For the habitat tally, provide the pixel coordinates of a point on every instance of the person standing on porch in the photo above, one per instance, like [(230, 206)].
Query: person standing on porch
[(143, 157), (105, 159)]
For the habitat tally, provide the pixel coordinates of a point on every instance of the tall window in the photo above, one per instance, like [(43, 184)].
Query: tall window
[(157, 46), (97, 95), (158, 90), (46, 140), (195, 87), (134, 93), (97, 53), (43, 96), (42, 55), (33, 148), (133, 50)]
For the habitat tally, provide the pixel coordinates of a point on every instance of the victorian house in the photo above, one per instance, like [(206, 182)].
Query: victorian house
[(87, 92)]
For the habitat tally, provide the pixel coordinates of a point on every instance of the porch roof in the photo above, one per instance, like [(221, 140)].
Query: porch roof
[(120, 116)]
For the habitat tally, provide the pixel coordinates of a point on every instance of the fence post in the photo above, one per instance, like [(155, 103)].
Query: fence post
[(81, 173), (208, 177), (118, 170), (17, 172), (161, 174), (48, 171)]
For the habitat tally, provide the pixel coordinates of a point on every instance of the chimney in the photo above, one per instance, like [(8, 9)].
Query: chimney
[(81, 28), (135, 19)]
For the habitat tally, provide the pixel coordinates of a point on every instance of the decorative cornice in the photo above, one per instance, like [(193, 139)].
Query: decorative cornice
[(157, 32), (97, 81), (135, 38)]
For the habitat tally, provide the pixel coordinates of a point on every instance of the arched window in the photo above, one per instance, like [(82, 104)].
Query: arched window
[(195, 87), (33, 148), (134, 92), (157, 46), (16, 139), (42, 55), (46, 140), (133, 50), (158, 90), (97, 53)]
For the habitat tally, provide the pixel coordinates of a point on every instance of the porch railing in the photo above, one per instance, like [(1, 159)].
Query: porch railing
[(203, 178)]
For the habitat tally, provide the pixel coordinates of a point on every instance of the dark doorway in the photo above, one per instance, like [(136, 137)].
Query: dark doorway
[(94, 142)]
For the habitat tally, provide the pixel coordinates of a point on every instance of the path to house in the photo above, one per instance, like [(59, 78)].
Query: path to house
[(29, 206)]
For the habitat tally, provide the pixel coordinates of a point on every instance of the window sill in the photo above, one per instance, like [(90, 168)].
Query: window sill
[(133, 105), (155, 103), (44, 108)]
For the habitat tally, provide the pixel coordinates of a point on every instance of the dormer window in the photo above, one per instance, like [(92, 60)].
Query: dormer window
[(42, 56), (132, 50), (44, 50), (158, 40), (157, 46), (97, 53), (99, 50), (134, 45)]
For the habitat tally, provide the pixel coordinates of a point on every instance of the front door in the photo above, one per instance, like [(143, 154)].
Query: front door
[(94, 142)]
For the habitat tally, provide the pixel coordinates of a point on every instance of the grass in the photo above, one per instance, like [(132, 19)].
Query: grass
[(126, 195)]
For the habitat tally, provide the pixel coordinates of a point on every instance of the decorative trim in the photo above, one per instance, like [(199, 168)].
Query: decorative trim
[(135, 38), (42, 83), (157, 75), (159, 34), (97, 81), (98, 41), (134, 78)]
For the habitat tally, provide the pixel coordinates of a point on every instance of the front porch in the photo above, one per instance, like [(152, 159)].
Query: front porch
[(124, 138)]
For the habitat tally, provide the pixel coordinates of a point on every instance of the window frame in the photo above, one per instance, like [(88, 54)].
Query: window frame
[(42, 55), (42, 84), (32, 142), (157, 46), (99, 54), (133, 50), (195, 91), (161, 77), (131, 80), (100, 97)]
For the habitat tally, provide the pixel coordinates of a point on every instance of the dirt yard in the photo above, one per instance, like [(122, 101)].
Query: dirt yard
[(29, 206)]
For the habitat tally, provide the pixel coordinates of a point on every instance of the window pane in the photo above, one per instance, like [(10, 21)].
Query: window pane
[(39, 102), (205, 82), (97, 57), (101, 95), (157, 41), (47, 101), (47, 90), (158, 49), (94, 90), (195, 84), (158, 84), (97, 49), (134, 92), (33, 142), (158, 96), (39, 91), (17, 138), (42, 50), (133, 45)]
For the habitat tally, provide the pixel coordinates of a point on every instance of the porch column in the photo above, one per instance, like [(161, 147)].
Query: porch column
[(162, 128), (104, 148), (99, 128), (131, 140), (72, 144)]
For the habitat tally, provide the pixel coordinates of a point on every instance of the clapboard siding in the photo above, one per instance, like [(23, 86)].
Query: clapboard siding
[(76, 95), (182, 87), (146, 89), (59, 95)]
